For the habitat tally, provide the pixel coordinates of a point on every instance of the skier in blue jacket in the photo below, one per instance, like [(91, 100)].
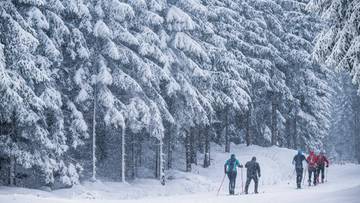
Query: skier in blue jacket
[(230, 168)]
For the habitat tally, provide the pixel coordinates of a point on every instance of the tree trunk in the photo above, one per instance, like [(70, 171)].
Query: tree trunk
[(93, 178), (288, 132), (274, 130), (193, 146), (248, 134), (294, 134), (12, 171), (169, 151), (12, 158), (207, 149), (187, 151), (161, 160), (356, 110), (357, 136), (157, 164), (139, 154), (123, 154), (133, 161), (200, 140), (227, 138)]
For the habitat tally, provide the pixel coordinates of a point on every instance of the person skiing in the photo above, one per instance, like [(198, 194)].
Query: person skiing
[(252, 173), (322, 161), (298, 161), (312, 165), (230, 169)]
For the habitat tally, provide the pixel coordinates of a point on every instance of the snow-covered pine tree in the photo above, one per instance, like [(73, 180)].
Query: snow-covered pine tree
[(290, 31), (188, 111), (343, 139), (338, 45), (38, 117), (227, 98), (310, 79)]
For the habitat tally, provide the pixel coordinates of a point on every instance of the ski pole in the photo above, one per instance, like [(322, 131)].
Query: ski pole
[(222, 182), (242, 181), (291, 176), (326, 173), (305, 176), (293, 173)]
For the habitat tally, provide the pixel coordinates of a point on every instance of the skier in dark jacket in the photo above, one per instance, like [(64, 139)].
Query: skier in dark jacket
[(253, 173), (298, 161), (230, 168), (322, 161)]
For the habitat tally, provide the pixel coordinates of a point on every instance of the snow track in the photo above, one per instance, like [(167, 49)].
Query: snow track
[(343, 185)]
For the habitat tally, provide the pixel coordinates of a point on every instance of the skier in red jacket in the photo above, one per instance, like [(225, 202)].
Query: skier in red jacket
[(322, 161), (312, 165)]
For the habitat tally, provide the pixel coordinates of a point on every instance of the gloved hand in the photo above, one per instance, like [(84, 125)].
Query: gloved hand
[(241, 166), (327, 166), (259, 175), (225, 172)]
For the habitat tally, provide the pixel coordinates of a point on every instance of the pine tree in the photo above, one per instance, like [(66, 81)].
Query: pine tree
[(338, 44), (342, 140), (38, 118)]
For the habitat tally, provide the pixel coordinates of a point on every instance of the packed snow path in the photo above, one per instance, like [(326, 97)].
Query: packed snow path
[(343, 186), (275, 186)]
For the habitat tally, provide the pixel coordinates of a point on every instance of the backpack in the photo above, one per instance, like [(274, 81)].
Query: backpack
[(298, 161), (321, 160), (312, 160), (231, 165), (252, 168)]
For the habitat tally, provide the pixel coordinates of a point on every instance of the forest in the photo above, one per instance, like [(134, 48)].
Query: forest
[(126, 89)]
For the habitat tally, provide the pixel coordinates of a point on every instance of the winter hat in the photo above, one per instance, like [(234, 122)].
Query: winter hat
[(233, 156)]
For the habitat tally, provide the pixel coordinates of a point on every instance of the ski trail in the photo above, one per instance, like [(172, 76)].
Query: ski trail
[(343, 186), (202, 184)]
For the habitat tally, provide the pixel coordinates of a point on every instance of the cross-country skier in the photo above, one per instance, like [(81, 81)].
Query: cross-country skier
[(312, 165), (252, 173), (298, 161), (322, 161), (230, 169)]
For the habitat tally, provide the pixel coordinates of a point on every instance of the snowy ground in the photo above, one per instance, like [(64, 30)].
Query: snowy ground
[(276, 184)]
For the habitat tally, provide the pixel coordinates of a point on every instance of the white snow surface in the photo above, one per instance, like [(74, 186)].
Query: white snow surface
[(277, 184)]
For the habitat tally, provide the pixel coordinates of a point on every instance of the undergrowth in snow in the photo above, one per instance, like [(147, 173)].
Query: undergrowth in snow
[(277, 183), (275, 164)]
